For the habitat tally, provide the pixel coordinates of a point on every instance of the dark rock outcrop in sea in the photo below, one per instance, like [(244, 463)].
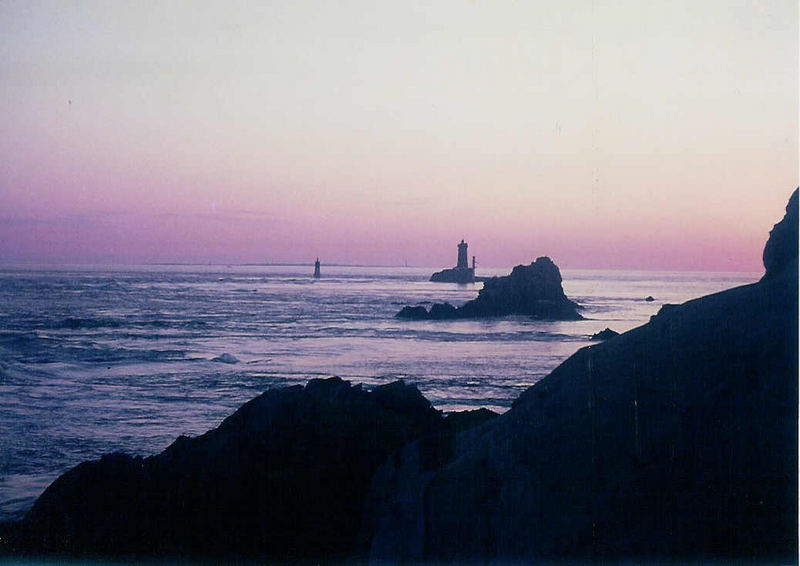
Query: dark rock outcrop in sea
[(460, 275), (605, 334), (416, 312), (677, 440), (532, 290), (285, 476)]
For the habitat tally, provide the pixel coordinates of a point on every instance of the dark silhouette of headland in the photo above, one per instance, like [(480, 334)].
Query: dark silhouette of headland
[(532, 290), (677, 440), (674, 442), (462, 273)]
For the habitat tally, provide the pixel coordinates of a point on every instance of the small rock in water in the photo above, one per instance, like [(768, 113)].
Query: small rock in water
[(650, 299), (414, 313), (441, 311), (226, 358)]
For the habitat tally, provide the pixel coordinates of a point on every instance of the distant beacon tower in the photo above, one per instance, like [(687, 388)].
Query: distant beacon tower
[(462, 273), (462, 256), (316, 269)]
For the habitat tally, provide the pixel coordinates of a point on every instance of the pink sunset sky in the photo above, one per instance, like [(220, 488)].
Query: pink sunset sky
[(639, 135)]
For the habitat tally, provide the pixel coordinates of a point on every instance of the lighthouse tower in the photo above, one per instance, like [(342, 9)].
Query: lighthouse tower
[(462, 256), (462, 273)]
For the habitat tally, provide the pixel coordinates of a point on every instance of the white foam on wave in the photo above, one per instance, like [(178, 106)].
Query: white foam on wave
[(226, 358)]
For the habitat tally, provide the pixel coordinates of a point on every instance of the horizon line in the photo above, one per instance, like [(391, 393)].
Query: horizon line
[(4, 265)]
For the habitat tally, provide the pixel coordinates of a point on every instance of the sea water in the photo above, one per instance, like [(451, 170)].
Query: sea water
[(102, 359)]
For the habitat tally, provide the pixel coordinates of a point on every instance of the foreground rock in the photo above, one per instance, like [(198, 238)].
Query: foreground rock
[(677, 439), (532, 290), (284, 476)]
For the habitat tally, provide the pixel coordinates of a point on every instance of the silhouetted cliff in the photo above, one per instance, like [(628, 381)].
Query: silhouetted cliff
[(676, 439), (780, 253)]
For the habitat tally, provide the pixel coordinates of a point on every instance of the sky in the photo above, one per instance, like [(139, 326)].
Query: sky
[(619, 134)]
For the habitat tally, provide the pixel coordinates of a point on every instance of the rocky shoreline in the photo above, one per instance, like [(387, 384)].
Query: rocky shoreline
[(676, 440)]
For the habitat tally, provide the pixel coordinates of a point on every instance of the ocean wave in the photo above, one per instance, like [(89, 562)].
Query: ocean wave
[(110, 355), (89, 323), (32, 347), (512, 336), (226, 358), (27, 342), (75, 323)]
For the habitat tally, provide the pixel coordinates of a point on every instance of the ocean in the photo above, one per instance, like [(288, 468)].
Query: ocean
[(96, 359)]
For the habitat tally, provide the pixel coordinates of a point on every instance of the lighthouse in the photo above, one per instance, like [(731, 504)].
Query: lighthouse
[(316, 269), (462, 256), (462, 273)]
